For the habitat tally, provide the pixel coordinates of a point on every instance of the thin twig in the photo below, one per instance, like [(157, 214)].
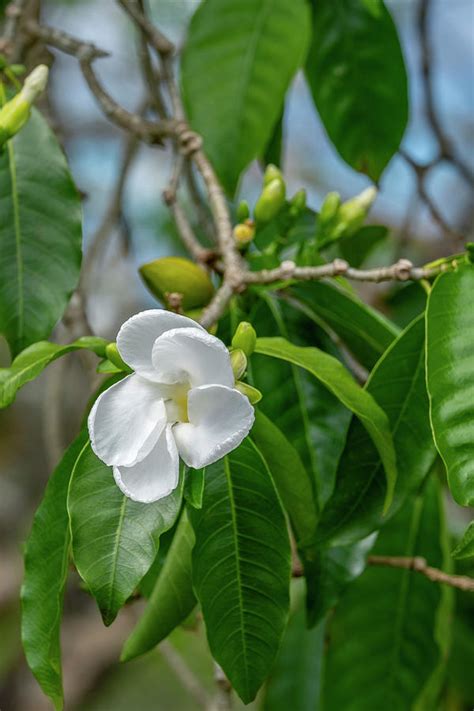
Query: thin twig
[(190, 682), (419, 565), (222, 700)]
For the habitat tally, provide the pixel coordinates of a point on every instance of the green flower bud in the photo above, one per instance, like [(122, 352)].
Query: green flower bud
[(353, 212), (243, 211), (270, 201), (112, 353), (298, 202), (238, 360), (253, 394), (329, 208), (15, 113), (272, 173), (245, 338), (177, 275), (244, 233)]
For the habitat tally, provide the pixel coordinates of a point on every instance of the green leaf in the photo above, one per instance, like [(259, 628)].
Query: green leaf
[(237, 64), (295, 680), (450, 376), (383, 646), (340, 382), (398, 385), (366, 332), (172, 599), (46, 569), (465, 547), (355, 248), (358, 80), (114, 539), (194, 487), (33, 360), (241, 567), (274, 150), (40, 235)]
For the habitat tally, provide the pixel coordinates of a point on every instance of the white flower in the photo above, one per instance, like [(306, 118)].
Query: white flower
[(180, 401)]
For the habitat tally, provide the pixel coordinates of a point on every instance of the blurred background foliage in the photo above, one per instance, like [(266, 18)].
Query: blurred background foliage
[(93, 678)]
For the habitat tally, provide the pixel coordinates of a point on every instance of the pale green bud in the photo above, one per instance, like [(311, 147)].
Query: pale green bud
[(252, 393), (272, 173), (298, 202), (353, 212), (238, 361), (112, 353), (329, 208), (244, 233), (243, 211), (178, 275), (245, 338), (270, 201), (16, 112)]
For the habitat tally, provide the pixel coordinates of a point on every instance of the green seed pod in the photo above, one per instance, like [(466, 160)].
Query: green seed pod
[(253, 394), (244, 338), (170, 275), (112, 353), (270, 201), (243, 211), (272, 173), (329, 208), (238, 360)]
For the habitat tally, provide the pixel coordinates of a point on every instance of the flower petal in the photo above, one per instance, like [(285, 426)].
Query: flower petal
[(137, 335), (126, 421), (219, 419), (154, 477), (188, 355)]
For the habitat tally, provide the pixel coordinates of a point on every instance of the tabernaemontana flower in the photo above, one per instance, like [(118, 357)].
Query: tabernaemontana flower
[(179, 402)]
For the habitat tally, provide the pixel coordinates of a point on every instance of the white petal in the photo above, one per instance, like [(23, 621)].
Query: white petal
[(219, 419), (188, 355), (137, 335), (126, 421), (155, 476)]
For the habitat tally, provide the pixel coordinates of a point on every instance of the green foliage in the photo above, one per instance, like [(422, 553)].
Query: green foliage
[(450, 376), (241, 567), (194, 487), (237, 64), (46, 569), (465, 547), (40, 235), (114, 540), (354, 57), (398, 385), (172, 599), (383, 647), (33, 360), (340, 382)]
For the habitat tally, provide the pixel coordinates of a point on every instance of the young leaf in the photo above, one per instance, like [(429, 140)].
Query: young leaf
[(46, 568), (366, 333), (114, 539), (237, 65), (398, 385), (33, 360), (361, 96), (241, 567), (383, 647), (450, 376), (465, 547), (40, 235), (172, 599), (340, 382)]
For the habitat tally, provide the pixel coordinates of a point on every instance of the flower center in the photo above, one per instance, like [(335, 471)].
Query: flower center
[(177, 405)]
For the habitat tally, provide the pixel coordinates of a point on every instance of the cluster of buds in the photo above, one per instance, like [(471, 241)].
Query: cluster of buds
[(242, 347), (16, 112), (338, 219)]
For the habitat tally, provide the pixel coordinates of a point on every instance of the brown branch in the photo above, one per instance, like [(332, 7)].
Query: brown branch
[(419, 565), (223, 697), (157, 40), (13, 13)]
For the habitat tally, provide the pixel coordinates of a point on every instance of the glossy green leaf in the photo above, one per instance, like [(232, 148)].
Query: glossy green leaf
[(194, 487), (172, 599), (465, 547), (46, 569), (40, 235), (450, 376), (365, 332), (339, 381), (383, 647), (295, 680), (114, 539), (357, 77), (274, 150), (310, 416), (237, 64), (355, 248), (241, 567), (33, 360), (398, 385)]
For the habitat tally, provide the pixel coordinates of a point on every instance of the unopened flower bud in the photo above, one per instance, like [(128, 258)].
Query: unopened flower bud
[(272, 173), (243, 211), (298, 202), (238, 360), (353, 212), (245, 338), (177, 275), (329, 208), (244, 233), (112, 353), (15, 113), (252, 393), (270, 201)]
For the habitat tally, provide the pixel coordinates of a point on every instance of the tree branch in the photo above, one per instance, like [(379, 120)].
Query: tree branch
[(419, 565)]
